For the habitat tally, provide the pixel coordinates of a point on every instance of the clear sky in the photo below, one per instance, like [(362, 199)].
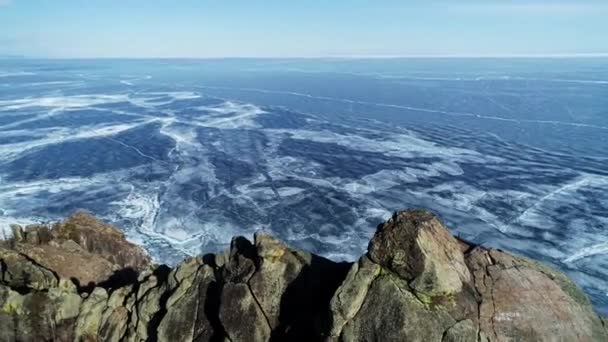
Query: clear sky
[(301, 28)]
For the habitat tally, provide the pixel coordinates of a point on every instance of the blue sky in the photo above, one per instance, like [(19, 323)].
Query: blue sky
[(301, 28)]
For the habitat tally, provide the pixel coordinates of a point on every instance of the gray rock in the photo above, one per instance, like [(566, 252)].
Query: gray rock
[(20, 272), (415, 245), (186, 318), (113, 326), (241, 315), (417, 283), (349, 297), (38, 315), (463, 331), (89, 318), (18, 235), (391, 313)]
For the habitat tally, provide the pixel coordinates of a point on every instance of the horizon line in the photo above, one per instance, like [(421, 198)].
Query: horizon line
[(405, 56)]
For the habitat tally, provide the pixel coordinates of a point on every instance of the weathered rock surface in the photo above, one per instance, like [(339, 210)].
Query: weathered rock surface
[(80, 280)]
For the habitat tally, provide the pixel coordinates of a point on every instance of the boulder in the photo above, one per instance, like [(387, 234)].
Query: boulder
[(18, 235), (20, 272), (391, 313), (115, 318), (416, 246), (241, 315), (186, 313), (349, 297), (38, 315), (293, 287), (522, 300), (89, 318), (416, 283), (69, 261), (421, 284), (103, 240)]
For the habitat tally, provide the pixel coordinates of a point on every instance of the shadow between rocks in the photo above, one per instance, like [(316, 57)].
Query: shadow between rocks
[(211, 305), (305, 312), (120, 278)]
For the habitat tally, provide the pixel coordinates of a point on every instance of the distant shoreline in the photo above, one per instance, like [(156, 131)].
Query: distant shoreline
[(337, 57)]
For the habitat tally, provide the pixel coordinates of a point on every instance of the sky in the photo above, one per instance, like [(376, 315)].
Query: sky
[(301, 28)]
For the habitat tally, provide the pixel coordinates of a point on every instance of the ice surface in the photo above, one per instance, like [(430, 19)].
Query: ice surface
[(511, 153)]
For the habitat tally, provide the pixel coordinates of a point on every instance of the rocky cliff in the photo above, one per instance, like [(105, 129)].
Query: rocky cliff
[(80, 280)]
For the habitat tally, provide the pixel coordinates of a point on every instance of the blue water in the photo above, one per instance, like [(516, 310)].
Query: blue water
[(184, 154)]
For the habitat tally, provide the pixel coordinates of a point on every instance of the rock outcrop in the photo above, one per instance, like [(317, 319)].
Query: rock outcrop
[(80, 280)]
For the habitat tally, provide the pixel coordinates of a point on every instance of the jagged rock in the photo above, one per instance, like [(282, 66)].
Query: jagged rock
[(66, 301), (186, 319), (415, 245), (286, 291), (392, 313), (241, 315), (416, 283), (11, 305), (278, 268), (240, 265), (38, 316), (21, 272), (115, 318), (32, 237), (37, 233), (149, 304), (114, 326), (293, 287), (102, 239), (69, 261), (17, 232), (349, 297), (80, 248), (89, 319)]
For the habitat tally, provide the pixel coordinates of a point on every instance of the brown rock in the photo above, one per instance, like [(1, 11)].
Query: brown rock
[(69, 261), (37, 233), (524, 301), (102, 239), (417, 283), (415, 245)]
